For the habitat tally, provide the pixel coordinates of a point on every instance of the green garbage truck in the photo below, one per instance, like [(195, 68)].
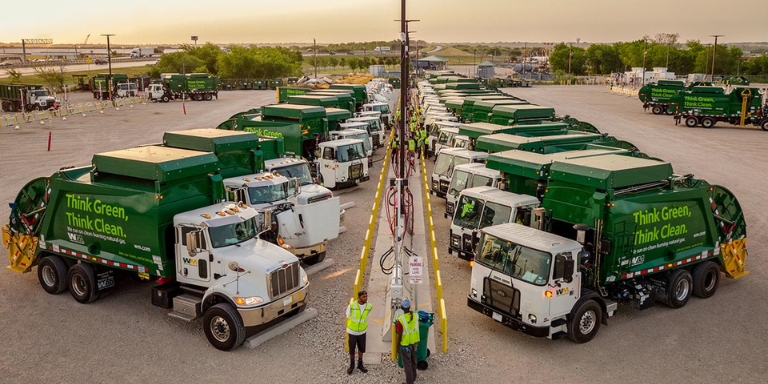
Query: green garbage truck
[(518, 114), (25, 98), (283, 93), (611, 230), (104, 86), (706, 106), (360, 91), (193, 86), (156, 211), (658, 96)]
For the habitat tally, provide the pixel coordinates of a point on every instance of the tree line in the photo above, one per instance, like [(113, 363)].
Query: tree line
[(663, 50)]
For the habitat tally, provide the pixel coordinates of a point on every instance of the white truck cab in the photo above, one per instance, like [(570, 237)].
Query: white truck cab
[(236, 279), (158, 92), (305, 228), (461, 141), (359, 134), (127, 89), (529, 280), (445, 138), (467, 176), (434, 132), (359, 125), (441, 116), (342, 163), (374, 129), (482, 207), (445, 164), (383, 108)]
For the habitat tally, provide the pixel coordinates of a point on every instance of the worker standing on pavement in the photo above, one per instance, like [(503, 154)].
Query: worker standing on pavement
[(407, 328), (357, 324)]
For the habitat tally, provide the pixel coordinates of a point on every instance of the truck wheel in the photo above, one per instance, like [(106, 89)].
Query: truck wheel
[(198, 97), (669, 111), (708, 122), (706, 277), (52, 274), (208, 97), (657, 110), (165, 99), (223, 327), (679, 288), (691, 121), (585, 322), (764, 125), (82, 283)]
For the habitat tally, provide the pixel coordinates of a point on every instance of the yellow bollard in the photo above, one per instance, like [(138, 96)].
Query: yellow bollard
[(444, 325), (435, 261), (363, 260), (358, 282), (439, 285)]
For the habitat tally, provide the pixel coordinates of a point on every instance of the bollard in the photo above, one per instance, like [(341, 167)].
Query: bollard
[(49, 141)]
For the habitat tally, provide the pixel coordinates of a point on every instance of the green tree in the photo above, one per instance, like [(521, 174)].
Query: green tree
[(333, 61), (257, 63), (756, 66), (208, 53), (14, 75), (342, 62), (52, 78), (353, 63), (559, 59), (179, 62), (603, 59)]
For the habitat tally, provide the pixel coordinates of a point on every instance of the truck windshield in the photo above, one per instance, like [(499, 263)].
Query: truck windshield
[(299, 171), (442, 163), (458, 183), (444, 137), (480, 181), (521, 263), (495, 214), (232, 233), (347, 153), (364, 138), (270, 193), (468, 212), (41, 93)]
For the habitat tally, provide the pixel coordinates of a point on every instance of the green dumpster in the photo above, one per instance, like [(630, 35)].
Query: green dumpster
[(426, 320)]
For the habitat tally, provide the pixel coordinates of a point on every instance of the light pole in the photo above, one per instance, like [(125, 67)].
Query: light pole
[(474, 62), (645, 53), (570, 55), (194, 38), (714, 53), (314, 50), (109, 61)]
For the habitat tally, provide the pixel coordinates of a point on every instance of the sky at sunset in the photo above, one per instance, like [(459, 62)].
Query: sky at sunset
[(333, 21)]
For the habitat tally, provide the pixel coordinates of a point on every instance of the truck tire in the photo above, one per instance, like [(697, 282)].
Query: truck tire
[(764, 125), (585, 322), (165, 99), (82, 283), (708, 122), (668, 110), (706, 278), (691, 121), (657, 110), (679, 288), (223, 327), (52, 274), (198, 97), (208, 97)]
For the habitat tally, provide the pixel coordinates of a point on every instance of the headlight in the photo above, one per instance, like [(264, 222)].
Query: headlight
[(305, 279), (249, 300), (532, 318)]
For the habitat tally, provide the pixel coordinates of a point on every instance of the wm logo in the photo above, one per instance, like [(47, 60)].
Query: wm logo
[(189, 261), (75, 238), (562, 291)]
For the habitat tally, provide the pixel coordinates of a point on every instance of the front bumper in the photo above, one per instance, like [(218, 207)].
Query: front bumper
[(508, 321), (310, 251), (278, 308)]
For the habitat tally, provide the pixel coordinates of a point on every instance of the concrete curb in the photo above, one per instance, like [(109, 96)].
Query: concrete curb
[(269, 334), (313, 269)]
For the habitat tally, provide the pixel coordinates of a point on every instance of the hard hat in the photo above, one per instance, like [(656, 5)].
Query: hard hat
[(406, 304)]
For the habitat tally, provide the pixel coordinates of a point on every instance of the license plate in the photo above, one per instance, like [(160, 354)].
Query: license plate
[(497, 317), (287, 301)]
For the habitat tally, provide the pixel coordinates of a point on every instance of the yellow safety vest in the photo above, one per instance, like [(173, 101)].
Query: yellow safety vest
[(358, 316), (410, 330)]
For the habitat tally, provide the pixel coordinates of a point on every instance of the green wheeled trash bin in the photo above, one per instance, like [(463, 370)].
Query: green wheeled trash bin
[(426, 320)]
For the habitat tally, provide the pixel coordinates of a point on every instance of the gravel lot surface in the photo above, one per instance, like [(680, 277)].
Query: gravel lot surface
[(123, 338)]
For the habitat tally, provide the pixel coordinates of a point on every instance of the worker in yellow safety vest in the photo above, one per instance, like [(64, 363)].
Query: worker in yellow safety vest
[(357, 324), (395, 145), (407, 328)]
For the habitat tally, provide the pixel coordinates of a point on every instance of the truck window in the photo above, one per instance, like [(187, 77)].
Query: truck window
[(458, 183), (459, 161), (444, 137), (521, 263), (269, 193), (231, 234), (468, 212), (184, 229), (351, 152), (442, 163), (523, 216), (328, 154), (480, 181), (299, 171), (495, 214)]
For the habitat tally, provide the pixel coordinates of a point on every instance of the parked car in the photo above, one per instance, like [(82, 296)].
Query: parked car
[(100, 61)]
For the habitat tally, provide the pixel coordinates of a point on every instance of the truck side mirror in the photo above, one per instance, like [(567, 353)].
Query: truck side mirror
[(192, 243), (564, 265), (296, 187), (267, 220), (568, 273)]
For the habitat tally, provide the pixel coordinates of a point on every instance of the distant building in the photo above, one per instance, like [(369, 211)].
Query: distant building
[(485, 70)]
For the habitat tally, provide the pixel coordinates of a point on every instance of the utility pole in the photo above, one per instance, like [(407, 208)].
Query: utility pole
[(645, 53), (474, 64), (714, 54), (570, 55), (314, 50), (109, 60)]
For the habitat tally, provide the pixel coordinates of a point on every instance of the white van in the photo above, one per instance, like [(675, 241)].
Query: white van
[(445, 164), (467, 176), (485, 207)]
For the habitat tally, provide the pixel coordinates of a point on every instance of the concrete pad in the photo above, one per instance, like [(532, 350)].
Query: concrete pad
[(313, 269), (279, 329), (348, 205)]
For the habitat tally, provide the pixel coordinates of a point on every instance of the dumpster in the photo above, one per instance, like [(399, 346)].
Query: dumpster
[(426, 320)]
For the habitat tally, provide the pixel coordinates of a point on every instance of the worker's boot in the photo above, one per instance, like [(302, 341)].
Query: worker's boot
[(351, 367), (361, 367)]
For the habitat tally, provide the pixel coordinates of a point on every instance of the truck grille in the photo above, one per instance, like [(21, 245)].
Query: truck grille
[(284, 279), (443, 186), (502, 297), (376, 142), (355, 171)]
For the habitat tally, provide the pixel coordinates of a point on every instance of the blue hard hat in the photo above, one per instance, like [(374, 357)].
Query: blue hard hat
[(406, 304)]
